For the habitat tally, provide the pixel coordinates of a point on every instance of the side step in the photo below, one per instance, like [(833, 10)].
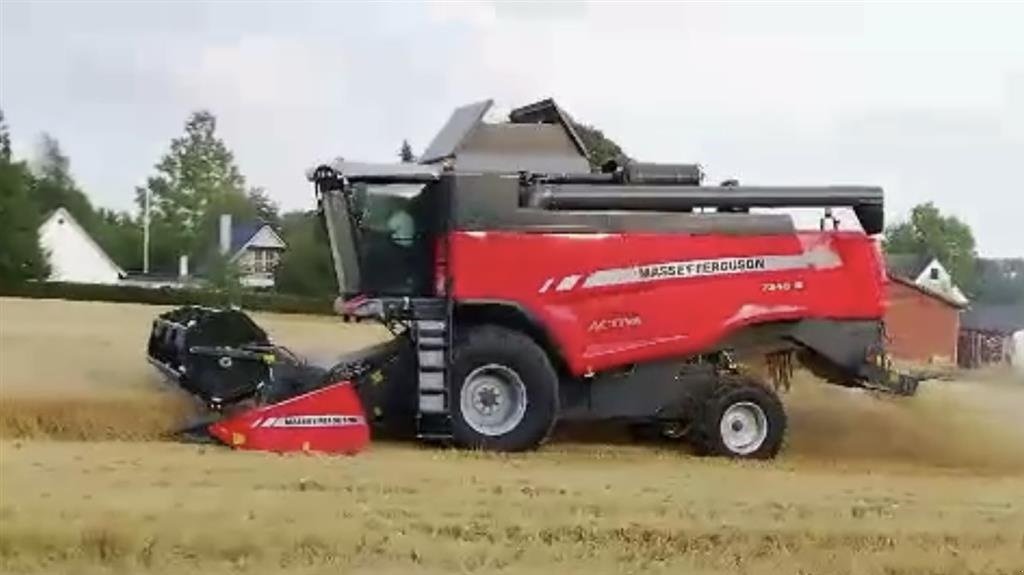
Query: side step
[(433, 420)]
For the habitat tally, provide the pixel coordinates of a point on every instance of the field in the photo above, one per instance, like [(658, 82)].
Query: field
[(866, 485)]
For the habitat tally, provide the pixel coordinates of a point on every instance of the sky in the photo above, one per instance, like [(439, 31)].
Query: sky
[(924, 100)]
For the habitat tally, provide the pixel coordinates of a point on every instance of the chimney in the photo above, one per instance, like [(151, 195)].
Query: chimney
[(225, 234), (183, 266)]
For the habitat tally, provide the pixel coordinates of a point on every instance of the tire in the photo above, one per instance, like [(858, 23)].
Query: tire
[(489, 358), (758, 421)]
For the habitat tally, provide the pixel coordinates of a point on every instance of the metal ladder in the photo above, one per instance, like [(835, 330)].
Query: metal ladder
[(433, 421)]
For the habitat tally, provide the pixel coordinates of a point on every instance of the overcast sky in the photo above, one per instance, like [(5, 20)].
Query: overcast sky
[(925, 101)]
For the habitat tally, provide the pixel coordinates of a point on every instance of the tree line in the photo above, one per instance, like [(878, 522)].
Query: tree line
[(197, 179), (193, 183)]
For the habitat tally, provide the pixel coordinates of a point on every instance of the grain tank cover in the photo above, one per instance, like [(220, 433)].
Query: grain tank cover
[(537, 138), (461, 123)]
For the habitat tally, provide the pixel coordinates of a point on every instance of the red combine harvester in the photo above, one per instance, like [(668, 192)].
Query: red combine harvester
[(523, 289)]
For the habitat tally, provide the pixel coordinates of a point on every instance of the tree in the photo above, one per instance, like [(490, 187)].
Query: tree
[(306, 267), (120, 235), (196, 181), (265, 208), (54, 186), (225, 276), (405, 153), (930, 233), (600, 147), (5, 140), (21, 257), (1000, 281)]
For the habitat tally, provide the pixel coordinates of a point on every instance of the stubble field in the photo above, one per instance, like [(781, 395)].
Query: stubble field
[(866, 485)]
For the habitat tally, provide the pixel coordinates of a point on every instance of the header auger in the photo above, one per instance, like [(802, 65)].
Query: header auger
[(524, 290)]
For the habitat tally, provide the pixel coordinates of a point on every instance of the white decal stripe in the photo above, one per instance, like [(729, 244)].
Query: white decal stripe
[(819, 258), (547, 284), (567, 283), (313, 421)]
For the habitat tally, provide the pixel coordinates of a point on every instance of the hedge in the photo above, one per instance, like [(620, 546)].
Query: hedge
[(254, 301)]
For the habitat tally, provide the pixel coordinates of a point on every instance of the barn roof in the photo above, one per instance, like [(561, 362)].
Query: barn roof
[(907, 266), (1001, 318), (942, 297)]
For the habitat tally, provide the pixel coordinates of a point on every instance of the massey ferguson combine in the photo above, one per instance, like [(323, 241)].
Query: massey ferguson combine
[(522, 290)]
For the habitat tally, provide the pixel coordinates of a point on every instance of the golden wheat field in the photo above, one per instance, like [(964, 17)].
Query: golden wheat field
[(90, 484)]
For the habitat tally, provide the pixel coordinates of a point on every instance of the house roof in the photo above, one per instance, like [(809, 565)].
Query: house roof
[(1001, 318), (242, 232), (64, 213), (907, 266)]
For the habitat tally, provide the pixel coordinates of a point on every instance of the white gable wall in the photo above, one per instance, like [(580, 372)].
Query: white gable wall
[(942, 282), (73, 256)]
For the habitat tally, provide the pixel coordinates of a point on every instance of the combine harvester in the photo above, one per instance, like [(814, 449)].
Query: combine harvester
[(523, 289)]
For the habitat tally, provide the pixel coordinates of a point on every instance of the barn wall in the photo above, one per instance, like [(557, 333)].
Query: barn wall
[(921, 328)]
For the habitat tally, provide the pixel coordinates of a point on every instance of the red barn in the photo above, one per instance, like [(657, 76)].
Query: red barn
[(923, 323)]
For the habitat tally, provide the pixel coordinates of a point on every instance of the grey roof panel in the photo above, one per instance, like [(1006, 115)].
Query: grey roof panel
[(459, 125), (1005, 318)]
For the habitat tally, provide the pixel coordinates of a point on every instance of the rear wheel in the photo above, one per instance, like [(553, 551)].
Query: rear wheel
[(504, 391), (742, 419)]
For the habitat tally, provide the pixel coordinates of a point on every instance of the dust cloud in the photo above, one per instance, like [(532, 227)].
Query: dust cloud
[(975, 424), (135, 416)]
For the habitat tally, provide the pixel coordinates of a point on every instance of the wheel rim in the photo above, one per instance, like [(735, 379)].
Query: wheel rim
[(744, 427), (493, 400)]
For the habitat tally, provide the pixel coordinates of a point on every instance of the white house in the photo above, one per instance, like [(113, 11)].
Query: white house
[(926, 272), (72, 254), (254, 247)]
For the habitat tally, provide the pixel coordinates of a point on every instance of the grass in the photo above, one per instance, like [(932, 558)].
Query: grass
[(865, 486)]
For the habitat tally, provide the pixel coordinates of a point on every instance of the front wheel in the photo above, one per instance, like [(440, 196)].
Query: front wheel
[(742, 419), (504, 391)]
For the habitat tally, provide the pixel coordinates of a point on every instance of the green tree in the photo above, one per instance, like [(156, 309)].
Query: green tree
[(930, 233), (265, 208), (196, 181), (21, 257), (120, 235), (405, 153), (55, 187), (306, 267), (225, 276), (5, 140), (600, 147), (1000, 281)]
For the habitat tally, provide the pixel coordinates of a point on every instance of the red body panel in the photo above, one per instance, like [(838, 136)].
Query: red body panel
[(328, 420), (613, 299)]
